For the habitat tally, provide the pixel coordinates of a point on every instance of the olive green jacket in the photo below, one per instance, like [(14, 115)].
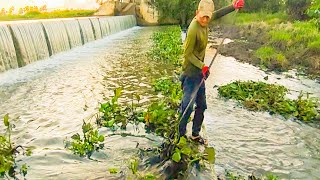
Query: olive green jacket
[(196, 43)]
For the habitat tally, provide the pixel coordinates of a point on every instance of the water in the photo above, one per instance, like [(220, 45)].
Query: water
[(87, 30), (31, 42), (58, 42), (74, 32), (8, 58), (96, 27), (48, 100), (257, 142), (24, 42)]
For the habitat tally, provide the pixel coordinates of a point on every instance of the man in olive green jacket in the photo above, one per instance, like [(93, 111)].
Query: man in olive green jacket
[(194, 69)]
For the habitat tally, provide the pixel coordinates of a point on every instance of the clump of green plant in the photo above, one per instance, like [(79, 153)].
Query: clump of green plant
[(170, 89), (188, 152), (8, 153), (231, 176), (160, 118), (260, 96), (113, 170), (112, 111), (167, 46), (91, 141)]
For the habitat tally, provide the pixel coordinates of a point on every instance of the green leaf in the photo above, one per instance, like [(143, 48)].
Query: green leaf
[(141, 119), (6, 120), (86, 128), (186, 151), (211, 153), (24, 169), (29, 151), (110, 123), (149, 177), (117, 92), (113, 170), (137, 97), (75, 137), (101, 138), (182, 142), (176, 157), (134, 166)]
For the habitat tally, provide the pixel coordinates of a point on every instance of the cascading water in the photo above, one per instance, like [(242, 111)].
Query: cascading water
[(30, 42), (57, 36), (8, 58), (96, 27), (73, 31), (87, 31), (105, 26), (24, 42)]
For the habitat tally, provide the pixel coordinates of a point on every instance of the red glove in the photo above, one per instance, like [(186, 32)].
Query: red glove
[(205, 72), (238, 4)]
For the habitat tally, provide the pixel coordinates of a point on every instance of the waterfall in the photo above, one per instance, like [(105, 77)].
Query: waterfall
[(87, 30), (23, 42), (8, 58), (105, 27), (57, 36), (30, 42), (96, 27), (73, 31), (114, 25)]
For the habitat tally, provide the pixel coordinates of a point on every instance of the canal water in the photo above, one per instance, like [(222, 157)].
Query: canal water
[(49, 99)]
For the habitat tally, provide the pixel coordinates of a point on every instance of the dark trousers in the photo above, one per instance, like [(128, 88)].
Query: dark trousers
[(189, 85)]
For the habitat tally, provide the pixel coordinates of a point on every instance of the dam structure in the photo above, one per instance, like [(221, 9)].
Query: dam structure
[(24, 42)]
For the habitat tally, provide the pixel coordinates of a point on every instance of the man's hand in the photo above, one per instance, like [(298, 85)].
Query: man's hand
[(205, 72), (238, 4)]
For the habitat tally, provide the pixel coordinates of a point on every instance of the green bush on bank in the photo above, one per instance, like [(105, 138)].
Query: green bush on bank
[(259, 96), (48, 15)]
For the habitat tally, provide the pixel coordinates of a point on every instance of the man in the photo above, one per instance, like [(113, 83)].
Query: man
[(194, 69)]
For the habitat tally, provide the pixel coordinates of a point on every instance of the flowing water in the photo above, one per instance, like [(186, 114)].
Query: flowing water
[(47, 101), (8, 58)]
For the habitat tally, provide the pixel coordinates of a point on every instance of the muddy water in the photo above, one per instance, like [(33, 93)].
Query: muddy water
[(257, 142), (49, 99)]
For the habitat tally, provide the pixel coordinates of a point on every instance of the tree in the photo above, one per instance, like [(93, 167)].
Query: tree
[(3, 12), (11, 10), (35, 8), (20, 11), (26, 9), (43, 8), (181, 10), (296, 9), (100, 2)]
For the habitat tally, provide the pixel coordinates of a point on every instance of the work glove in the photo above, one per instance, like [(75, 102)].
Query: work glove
[(205, 72), (238, 4)]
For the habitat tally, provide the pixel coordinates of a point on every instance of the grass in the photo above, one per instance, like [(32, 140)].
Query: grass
[(48, 15), (247, 18), (272, 59), (284, 45)]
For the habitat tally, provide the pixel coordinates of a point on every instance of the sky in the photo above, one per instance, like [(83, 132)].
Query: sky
[(50, 3)]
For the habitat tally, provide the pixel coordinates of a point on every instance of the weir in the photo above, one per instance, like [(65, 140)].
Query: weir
[(8, 58), (24, 42)]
